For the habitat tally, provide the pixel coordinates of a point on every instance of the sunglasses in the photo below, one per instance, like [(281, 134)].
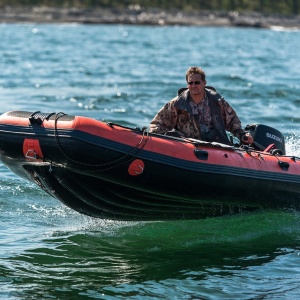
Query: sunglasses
[(195, 82)]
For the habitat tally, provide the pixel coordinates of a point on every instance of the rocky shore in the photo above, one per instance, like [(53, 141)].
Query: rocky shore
[(138, 16)]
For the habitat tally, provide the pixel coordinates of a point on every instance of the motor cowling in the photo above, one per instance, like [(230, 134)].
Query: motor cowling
[(264, 136)]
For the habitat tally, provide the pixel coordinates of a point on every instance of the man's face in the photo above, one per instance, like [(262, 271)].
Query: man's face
[(195, 84)]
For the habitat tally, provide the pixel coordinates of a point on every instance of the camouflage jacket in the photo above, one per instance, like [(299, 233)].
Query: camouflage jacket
[(177, 114)]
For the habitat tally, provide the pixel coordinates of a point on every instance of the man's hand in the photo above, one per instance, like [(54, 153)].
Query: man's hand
[(247, 138)]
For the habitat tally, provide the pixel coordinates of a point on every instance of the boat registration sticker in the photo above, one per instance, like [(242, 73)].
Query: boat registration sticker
[(136, 167)]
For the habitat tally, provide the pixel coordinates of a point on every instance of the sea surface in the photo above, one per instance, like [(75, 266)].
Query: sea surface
[(124, 74)]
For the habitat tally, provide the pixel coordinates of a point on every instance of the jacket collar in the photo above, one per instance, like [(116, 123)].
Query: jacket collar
[(183, 101)]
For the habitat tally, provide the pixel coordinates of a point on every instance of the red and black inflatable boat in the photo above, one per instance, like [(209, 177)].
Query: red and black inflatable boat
[(110, 171)]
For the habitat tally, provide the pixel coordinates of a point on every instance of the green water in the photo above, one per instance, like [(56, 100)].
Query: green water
[(125, 74)]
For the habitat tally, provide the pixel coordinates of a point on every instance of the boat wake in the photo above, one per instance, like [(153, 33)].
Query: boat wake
[(292, 143)]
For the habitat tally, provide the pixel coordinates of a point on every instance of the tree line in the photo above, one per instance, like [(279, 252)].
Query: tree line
[(264, 6)]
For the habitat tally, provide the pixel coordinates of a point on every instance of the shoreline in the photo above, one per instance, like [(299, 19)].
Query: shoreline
[(136, 15)]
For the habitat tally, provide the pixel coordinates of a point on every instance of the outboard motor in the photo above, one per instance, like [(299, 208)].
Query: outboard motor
[(264, 136)]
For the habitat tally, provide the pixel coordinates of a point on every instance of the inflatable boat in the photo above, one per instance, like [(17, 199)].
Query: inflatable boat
[(110, 171)]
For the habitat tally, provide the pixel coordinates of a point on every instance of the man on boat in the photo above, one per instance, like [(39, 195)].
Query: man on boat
[(199, 112)]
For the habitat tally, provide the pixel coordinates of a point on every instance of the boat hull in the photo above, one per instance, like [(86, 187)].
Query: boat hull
[(113, 172)]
